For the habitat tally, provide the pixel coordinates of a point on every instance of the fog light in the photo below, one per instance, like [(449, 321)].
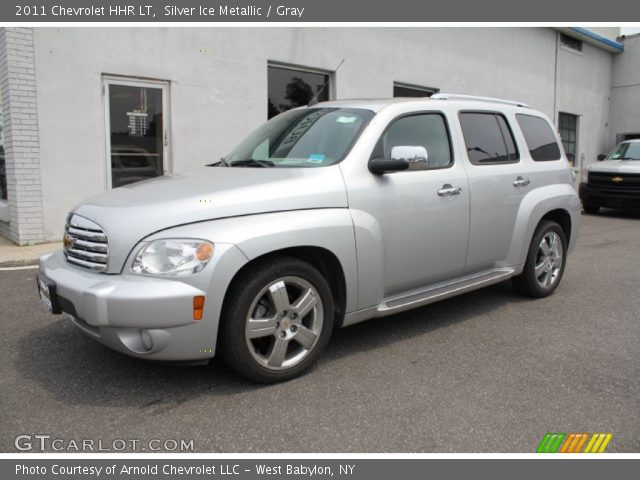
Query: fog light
[(146, 339)]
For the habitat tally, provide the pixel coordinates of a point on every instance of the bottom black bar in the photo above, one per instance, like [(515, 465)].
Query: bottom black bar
[(547, 466)]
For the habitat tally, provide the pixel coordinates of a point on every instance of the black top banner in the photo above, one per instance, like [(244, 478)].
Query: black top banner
[(157, 11)]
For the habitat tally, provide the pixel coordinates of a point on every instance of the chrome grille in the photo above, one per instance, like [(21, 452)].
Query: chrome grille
[(85, 244)]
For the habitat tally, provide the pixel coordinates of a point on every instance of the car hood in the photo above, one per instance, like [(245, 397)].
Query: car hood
[(130, 213), (616, 166)]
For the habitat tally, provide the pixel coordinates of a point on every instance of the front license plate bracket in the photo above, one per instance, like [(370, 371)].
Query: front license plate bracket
[(47, 294)]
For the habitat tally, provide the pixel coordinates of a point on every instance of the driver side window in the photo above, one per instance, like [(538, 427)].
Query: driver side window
[(404, 137)]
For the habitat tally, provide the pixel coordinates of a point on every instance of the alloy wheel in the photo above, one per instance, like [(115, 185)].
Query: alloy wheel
[(284, 323), (549, 260)]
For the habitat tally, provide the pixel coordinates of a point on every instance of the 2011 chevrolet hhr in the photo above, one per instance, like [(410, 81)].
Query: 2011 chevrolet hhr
[(325, 216)]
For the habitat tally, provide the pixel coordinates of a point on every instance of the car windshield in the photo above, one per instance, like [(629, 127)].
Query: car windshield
[(308, 137), (626, 151)]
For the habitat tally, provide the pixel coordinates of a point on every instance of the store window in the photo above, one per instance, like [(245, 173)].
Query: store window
[(295, 87), (568, 129), (570, 43), (408, 90), (137, 137)]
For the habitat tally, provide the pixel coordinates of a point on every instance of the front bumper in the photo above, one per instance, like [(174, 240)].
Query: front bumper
[(609, 197), (137, 315)]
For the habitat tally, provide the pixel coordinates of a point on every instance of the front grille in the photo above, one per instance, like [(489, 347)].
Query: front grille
[(628, 181), (85, 244)]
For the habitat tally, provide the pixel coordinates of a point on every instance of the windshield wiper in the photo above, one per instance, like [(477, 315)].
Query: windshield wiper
[(628, 158), (220, 163), (251, 162)]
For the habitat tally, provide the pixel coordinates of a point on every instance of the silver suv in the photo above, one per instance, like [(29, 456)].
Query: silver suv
[(323, 217)]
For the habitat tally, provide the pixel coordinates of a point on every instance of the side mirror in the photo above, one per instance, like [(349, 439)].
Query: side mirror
[(601, 157), (380, 166), (410, 153)]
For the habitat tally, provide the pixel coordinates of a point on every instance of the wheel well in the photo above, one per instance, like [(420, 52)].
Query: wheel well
[(562, 218), (321, 259)]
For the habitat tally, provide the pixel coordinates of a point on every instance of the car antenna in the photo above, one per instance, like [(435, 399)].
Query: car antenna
[(314, 100)]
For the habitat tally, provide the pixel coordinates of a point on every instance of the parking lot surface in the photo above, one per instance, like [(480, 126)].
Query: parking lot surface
[(489, 371)]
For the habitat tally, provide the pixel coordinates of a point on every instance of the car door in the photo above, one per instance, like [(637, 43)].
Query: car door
[(497, 186), (422, 213)]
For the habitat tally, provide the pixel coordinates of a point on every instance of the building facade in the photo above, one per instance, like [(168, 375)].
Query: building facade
[(89, 109)]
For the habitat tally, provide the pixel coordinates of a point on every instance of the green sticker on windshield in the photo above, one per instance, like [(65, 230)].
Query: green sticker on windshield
[(316, 158), (346, 119)]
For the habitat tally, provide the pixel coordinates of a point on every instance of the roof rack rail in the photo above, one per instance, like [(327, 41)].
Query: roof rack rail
[(456, 96)]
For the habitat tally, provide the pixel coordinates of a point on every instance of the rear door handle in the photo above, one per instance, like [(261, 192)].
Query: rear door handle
[(521, 182), (447, 190)]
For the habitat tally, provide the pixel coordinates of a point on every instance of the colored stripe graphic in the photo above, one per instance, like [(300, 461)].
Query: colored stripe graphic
[(554, 442), (580, 443), (569, 443), (598, 443), (550, 443)]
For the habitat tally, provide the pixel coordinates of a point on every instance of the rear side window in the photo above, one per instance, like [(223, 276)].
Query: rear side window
[(488, 138), (541, 141)]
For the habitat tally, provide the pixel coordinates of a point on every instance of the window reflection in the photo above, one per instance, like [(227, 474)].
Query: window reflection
[(290, 88), (136, 133)]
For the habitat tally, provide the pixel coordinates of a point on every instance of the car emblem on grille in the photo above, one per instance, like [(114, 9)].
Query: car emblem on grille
[(617, 179), (68, 241)]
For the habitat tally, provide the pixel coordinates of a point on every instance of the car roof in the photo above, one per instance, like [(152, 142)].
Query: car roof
[(462, 101)]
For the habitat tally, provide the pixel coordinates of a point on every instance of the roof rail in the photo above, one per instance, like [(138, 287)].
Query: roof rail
[(456, 96)]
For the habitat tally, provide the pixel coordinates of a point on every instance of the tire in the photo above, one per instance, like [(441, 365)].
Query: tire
[(591, 209), (277, 319), (543, 271)]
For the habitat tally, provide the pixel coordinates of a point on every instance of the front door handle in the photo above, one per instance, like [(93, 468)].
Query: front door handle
[(447, 190), (521, 182)]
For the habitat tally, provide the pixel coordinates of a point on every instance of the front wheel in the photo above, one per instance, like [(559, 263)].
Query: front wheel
[(277, 319), (545, 262)]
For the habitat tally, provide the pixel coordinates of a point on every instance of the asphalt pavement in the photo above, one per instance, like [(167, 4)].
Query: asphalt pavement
[(489, 371)]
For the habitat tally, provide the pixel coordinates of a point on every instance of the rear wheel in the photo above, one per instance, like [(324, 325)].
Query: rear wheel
[(545, 262), (277, 319), (591, 209)]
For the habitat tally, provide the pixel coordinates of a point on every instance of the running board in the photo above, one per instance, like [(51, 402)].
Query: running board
[(418, 298)]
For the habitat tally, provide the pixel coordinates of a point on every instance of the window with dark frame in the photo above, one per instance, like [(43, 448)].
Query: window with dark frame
[(570, 42), (136, 132), (289, 88), (488, 138), (407, 90), (540, 139), (568, 129)]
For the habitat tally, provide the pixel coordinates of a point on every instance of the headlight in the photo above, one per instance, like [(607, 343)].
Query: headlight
[(173, 256)]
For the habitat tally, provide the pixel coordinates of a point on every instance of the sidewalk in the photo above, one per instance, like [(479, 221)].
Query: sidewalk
[(12, 255)]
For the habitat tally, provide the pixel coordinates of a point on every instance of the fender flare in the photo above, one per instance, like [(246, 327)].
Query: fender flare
[(534, 206)]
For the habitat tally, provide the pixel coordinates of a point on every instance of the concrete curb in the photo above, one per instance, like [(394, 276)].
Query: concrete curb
[(19, 263), (12, 255)]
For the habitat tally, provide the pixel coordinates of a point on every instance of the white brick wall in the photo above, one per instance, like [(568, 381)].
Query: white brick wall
[(21, 139)]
